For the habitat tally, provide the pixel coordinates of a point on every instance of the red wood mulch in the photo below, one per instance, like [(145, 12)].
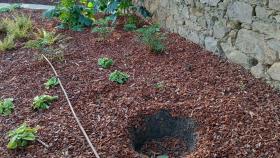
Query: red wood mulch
[(30, 1), (238, 115)]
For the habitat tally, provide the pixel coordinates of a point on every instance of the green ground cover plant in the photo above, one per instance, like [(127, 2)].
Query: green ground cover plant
[(21, 136), (52, 82), (6, 106), (10, 8), (105, 63), (119, 77), (43, 102), (152, 37)]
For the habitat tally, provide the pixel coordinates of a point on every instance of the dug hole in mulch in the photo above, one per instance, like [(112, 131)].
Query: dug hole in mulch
[(234, 114)]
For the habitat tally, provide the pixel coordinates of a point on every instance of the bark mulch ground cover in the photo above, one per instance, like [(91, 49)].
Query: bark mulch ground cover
[(237, 115), (30, 1)]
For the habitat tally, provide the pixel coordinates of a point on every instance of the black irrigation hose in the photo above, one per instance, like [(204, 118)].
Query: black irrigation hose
[(72, 110)]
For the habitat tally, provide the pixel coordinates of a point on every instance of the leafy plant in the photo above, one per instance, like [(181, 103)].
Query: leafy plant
[(101, 27), (152, 37), (52, 82), (43, 101), (163, 156), (7, 43), (43, 38), (71, 15), (118, 77), (129, 27), (105, 63), (6, 106), (20, 137), (10, 8), (19, 26), (159, 85)]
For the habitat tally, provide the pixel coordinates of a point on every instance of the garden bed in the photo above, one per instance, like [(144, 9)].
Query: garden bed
[(236, 114)]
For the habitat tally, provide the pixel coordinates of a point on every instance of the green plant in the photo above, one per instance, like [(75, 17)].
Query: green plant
[(129, 27), (152, 37), (7, 43), (43, 101), (72, 15), (159, 85), (19, 26), (20, 137), (105, 63), (118, 77), (102, 28), (6, 106), (52, 82), (43, 39), (10, 8), (163, 156)]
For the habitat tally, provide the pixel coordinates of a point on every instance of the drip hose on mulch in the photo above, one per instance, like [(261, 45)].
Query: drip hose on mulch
[(72, 110)]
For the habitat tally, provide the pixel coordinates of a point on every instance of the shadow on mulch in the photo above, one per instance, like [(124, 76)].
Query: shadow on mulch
[(160, 134)]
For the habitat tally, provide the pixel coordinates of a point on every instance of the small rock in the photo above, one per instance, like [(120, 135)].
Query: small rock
[(274, 71)]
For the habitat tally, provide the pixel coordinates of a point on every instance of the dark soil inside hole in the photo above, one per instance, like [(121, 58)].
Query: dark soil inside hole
[(161, 134)]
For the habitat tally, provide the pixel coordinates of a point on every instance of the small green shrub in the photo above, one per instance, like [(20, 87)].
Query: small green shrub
[(43, 101), (105, 63), (159, 85), (7, 43), (152, 37), (118, 77), (43, 39), (10, 8), (52, 82), (20, 26), (129, 27), (102, 28), (20, 137), (6, 106)]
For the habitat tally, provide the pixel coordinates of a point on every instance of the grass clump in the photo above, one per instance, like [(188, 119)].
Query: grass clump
[(42, 102), (105, 63), (43, 39), (152, 37), (8, 43), (21, 136), (129, 27), (118, 77), (20, 26), (6, 106), (52, 82)]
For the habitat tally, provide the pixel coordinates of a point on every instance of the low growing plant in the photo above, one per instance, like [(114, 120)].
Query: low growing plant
[(20, 26), (118, 77), (43, 102), (20, 137), (152, 37), (6, 106), (105, 63), (129, 27), (43, 39), (7, 43), (52, 82), (102, 28)]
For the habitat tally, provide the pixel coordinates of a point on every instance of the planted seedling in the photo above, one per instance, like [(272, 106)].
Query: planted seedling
[(105, 63), (102, 28), (52, 82), (152, 37), (159, 85), (20, 137), (6, 106), (43, 101), (19, 27), (118, 77), (43, 39), (129, 27)]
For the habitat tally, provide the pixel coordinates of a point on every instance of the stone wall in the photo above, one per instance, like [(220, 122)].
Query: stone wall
[(247, 32)]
